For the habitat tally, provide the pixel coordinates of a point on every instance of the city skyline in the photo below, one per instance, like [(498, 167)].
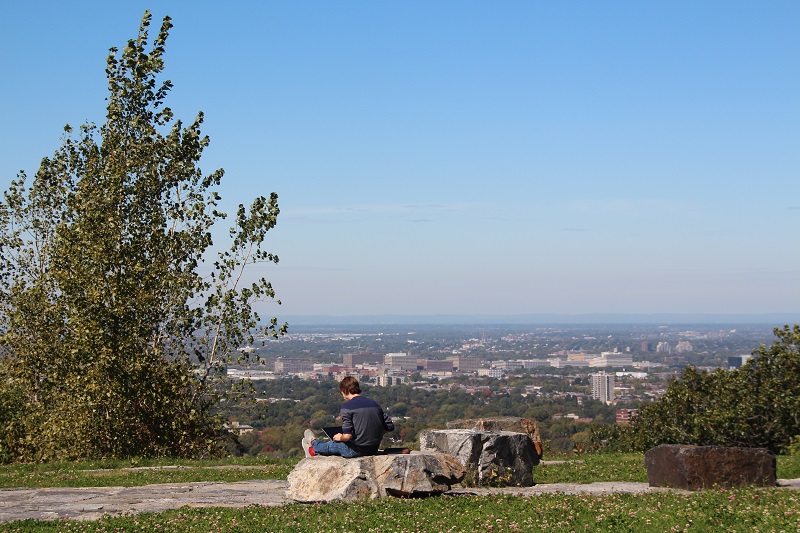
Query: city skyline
[(464, 158)]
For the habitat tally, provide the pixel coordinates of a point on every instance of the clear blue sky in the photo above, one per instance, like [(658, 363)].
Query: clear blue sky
[(469, 157)]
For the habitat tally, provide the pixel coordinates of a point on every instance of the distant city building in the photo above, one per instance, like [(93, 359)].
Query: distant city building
[(328, 367), (636, 375), (292, 366), (507, 366), (684, 346), (252, 374), (647, 346), (559, 362), (400, 362), (390, 380), (533, 363), (603, 387), (663, 347), (351, 360), (611, 359), (467, 364), (647, 364), (578, 356), (736, 361), (239, 429), (437, 365), (624, 416), (490, 372)]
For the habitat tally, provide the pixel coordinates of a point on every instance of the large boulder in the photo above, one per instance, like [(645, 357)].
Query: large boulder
[(333, 478), (697, 467), (514, 424), (496, 458)]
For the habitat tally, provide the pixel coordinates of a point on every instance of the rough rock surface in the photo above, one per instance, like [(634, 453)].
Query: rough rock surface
[(696, 467), (324, 479), (498, 458), (514, 424)]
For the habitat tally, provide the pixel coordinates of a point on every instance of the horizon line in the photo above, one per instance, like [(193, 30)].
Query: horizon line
[(774, 318)]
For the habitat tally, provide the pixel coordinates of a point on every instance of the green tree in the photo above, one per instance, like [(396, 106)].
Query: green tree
[(757, 405), (113, 343)]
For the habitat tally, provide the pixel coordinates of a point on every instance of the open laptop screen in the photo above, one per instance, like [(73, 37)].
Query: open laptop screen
[(331, 431)]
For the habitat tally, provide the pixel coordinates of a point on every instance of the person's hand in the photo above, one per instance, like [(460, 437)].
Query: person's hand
[(337, 437)]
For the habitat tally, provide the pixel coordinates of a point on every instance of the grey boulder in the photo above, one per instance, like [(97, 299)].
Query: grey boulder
[(491, 458), (325, 479)]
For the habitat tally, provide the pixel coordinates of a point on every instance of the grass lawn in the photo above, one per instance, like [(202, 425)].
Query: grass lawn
[(735, 510), (142, 472)]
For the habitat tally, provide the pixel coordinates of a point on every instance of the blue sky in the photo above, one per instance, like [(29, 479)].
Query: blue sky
[(469, 157)]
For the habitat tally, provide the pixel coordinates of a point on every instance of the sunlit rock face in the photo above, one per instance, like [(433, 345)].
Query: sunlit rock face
[(325, 479)]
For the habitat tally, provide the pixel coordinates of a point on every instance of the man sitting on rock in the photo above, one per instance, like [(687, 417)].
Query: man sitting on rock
[(363, 426)]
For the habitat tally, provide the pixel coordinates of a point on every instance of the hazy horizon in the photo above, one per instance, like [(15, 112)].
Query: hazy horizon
[(772, 319)]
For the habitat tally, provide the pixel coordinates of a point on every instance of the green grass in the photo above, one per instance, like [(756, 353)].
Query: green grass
[(788, 466), (139, 472), (735, 510), (746, 509), (591, 468)]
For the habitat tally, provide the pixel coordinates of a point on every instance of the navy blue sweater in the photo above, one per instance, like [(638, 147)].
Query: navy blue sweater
[(365, 420)]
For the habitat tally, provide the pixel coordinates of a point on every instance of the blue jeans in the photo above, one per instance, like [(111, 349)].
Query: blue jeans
[(328, 447)]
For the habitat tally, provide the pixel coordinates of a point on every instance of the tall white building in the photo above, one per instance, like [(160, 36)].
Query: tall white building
[(603, 387), (663, 347)]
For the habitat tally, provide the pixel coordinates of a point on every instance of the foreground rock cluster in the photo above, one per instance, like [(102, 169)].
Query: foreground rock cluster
[(501, 452), (484, 452)]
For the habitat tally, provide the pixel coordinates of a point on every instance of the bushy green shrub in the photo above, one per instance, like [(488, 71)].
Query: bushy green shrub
[(757, 405)]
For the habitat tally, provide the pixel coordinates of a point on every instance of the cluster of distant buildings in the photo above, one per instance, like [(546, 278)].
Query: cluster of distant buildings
[(663, 347), (396, 368)]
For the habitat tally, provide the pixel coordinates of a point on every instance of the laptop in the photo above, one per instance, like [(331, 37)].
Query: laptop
[(330, 431)]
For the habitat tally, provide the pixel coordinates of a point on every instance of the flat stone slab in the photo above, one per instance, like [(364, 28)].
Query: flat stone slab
[(91, 503)]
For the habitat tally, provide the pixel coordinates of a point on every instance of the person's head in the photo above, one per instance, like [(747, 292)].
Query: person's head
[(349, 385)]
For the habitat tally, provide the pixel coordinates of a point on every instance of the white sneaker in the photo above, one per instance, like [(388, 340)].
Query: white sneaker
[(308, 438)]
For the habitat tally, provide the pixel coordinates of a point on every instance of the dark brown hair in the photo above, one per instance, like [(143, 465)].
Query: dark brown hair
[(349, 385)]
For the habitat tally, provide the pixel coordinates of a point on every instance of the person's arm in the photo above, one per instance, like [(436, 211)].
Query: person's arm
[(347, 427)]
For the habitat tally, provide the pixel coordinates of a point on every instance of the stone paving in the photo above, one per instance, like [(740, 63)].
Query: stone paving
[(95, 502), (91, 503)]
